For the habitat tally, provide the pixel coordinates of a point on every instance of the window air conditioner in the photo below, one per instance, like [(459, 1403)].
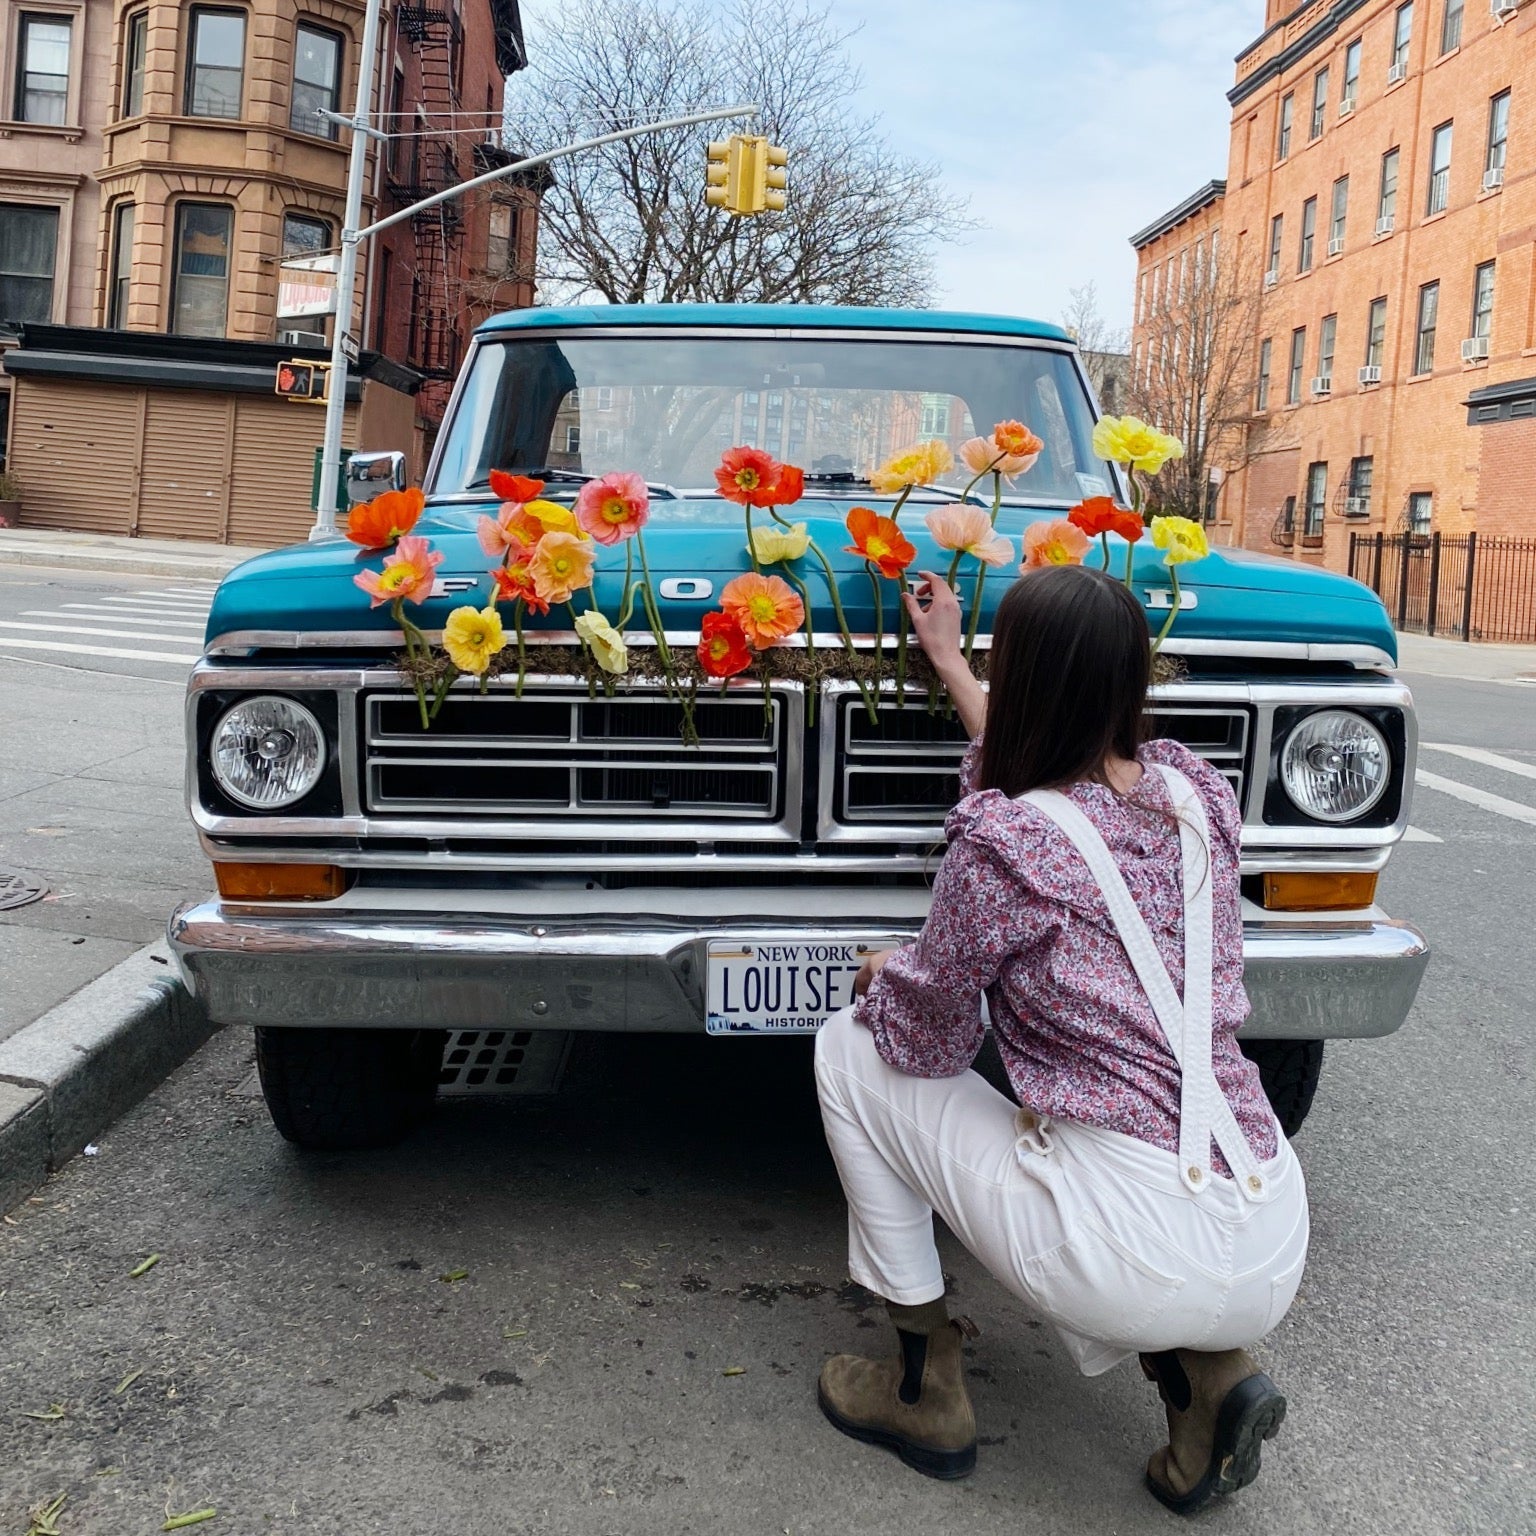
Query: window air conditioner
[(1396, 73), (1474, 349), (1323, 384), (1357, 506), (1384, 224), (1271, 278), (302, 338), (1502, 10), (1336, 245), (1493, 178), (1370, 374), (1346, 106)]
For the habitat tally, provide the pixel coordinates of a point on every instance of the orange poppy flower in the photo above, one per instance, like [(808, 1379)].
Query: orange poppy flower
[(1101, 514), (766, 607), (723, 648), (509, 487), (879, 541), (390, 515), (514, 583), (752, 478)]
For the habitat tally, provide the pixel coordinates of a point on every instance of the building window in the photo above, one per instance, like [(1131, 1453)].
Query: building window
[(1317, 499), (1424, 348), (498, 242), (304, 236), (1308, 235), (935, 416), (28, 242), (1327, 335), (135, 47), (200, 270), (1351, 89), (383, 308), (1288, 518), (573, 439), (1361, 472), (122, 266), (1287, 117), (1482, 301), (605, 397), (1319, 103), (1386, 202), (1439, 169), (1298, 357), (215, 65), (396, 124), (1421, 512), (1402, 36), (1261, 394), (1338, 215), (1498, 137), (1450, 25), (1376, 333), (1141, 302), (1276, 231), (42, 81), (316, 80), (1183, 274)]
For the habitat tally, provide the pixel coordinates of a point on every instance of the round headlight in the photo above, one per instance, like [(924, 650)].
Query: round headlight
[(1336, 765), (267, 753)]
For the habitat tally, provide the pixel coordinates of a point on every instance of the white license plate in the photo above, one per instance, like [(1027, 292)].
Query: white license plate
[(778, 988)]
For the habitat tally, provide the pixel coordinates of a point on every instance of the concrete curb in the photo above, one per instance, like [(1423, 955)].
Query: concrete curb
[(185, 566), (68, 1075)]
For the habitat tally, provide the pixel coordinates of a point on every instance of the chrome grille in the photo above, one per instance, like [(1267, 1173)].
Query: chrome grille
[(880, 780), (578, 764)]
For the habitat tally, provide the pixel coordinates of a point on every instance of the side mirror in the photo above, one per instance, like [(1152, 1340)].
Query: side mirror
[(370, 473)]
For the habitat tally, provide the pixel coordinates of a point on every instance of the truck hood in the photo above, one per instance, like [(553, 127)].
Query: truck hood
[(1238, 596)]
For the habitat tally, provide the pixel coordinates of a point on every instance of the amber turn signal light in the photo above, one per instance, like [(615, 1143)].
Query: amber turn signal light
[(277, 882), (1297, 892)]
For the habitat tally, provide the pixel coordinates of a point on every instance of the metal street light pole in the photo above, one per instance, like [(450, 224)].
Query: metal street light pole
[(352, 237)]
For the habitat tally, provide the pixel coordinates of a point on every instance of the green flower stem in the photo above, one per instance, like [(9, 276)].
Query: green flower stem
[(1173, 611), (627, 610), (847, 634), (810, 644), (981, 572), (751, 547), (980, 473), (903, 624), (410, 634), (1130, 561), (522, 651), (901, 501), (874, 586), (653, 613), (1104, 540)]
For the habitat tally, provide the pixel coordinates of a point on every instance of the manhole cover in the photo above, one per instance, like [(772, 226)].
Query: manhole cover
[(17, 889)]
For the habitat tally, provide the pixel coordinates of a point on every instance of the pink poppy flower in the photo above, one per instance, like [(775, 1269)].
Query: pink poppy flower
[(969, 531), (408, 573), (613, 508)]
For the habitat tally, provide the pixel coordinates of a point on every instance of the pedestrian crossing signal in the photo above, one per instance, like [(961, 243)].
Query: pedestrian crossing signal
[(303, 381)]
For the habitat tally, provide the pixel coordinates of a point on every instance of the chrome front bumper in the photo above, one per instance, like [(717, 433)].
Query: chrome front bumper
[(392, 965)]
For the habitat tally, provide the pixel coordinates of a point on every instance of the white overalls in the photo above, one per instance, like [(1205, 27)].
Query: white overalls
[(1124, 1246)]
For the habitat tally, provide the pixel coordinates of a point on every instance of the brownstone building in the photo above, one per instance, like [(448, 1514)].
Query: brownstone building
[(205, 212), (1380, 209)]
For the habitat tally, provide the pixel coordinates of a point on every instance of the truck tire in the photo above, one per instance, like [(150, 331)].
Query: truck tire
[(1289, 1070), (343, 1090)]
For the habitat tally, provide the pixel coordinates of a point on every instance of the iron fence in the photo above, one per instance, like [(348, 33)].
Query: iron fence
[(1457, 585)]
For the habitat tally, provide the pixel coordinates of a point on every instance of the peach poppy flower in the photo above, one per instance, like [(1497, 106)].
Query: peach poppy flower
[(969, 531), (766, 607), (723, 648), (390, 515), (879, 541), (1010, 448), (1054, 543), (509, 487), (613, 508), (753, 478), (408, 573), (510, 534), (561, 565)]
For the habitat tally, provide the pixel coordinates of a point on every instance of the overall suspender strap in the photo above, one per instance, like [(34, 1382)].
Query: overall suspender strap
[(1186, 1024)]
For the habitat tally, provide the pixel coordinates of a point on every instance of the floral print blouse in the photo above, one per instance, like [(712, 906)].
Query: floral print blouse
[(1017, 915)]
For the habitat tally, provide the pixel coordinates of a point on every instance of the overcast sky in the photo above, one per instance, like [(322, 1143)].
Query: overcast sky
[(1069, 125)]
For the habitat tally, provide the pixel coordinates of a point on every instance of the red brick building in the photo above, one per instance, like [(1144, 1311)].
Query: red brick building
[(1380, 206)]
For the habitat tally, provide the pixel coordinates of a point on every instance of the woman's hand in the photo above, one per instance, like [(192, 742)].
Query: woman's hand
[(869, 970), (938, 630)]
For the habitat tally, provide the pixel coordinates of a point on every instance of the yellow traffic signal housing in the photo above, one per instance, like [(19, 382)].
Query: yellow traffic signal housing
[(302, 381), (746, 174)]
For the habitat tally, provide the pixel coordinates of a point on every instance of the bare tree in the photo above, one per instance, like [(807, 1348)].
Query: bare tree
[(1194, 373), (628, 223)]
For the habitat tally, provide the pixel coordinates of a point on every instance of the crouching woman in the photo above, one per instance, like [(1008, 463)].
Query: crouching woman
[(1143, 1200)]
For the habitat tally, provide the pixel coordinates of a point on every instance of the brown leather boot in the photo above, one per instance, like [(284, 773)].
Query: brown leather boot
[(1221, 1408), (917, 1404)]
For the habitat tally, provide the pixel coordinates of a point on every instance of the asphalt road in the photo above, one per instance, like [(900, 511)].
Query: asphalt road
[(297, 1361)]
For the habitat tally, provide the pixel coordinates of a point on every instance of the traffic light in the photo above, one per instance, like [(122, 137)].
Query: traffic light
[(745, 175), (303, 381)]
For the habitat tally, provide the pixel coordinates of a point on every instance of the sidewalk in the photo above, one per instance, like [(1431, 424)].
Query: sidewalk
[(1474, 663), (189, 559)]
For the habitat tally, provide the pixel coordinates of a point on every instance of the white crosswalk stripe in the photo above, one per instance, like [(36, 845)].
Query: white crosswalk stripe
[(1515, 810), (1482, 755), (161, 625)]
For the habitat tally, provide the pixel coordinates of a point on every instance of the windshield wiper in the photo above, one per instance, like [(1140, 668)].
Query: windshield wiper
[(837, 477), (577, 477)]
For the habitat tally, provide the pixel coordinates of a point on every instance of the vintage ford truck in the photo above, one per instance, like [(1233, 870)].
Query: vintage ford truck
[(400, 908)]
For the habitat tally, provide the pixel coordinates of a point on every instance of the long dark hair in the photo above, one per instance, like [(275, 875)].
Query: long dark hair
[(1070, 665)]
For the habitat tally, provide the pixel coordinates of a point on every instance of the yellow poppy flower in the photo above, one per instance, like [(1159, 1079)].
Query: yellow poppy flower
[(1129, 440), (919, 465), (771, 545), (553, 518), (1181, 539), (606, 642), (471, 637)]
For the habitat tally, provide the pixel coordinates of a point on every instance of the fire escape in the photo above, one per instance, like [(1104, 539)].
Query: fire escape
[(436, 37)]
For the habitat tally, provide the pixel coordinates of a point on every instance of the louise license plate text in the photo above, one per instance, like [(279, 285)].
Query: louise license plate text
[(780, 989)]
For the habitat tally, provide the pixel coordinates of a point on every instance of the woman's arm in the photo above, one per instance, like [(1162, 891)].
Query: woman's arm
[(938, 631)]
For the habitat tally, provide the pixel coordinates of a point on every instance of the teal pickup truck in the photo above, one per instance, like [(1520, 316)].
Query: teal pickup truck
[(406, 911)]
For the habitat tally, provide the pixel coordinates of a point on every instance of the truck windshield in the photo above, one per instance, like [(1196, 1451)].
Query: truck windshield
[(666, 406)]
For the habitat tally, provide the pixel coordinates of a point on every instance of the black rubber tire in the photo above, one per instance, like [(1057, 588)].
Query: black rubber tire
[(1289, 1070), (343, 1090)]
